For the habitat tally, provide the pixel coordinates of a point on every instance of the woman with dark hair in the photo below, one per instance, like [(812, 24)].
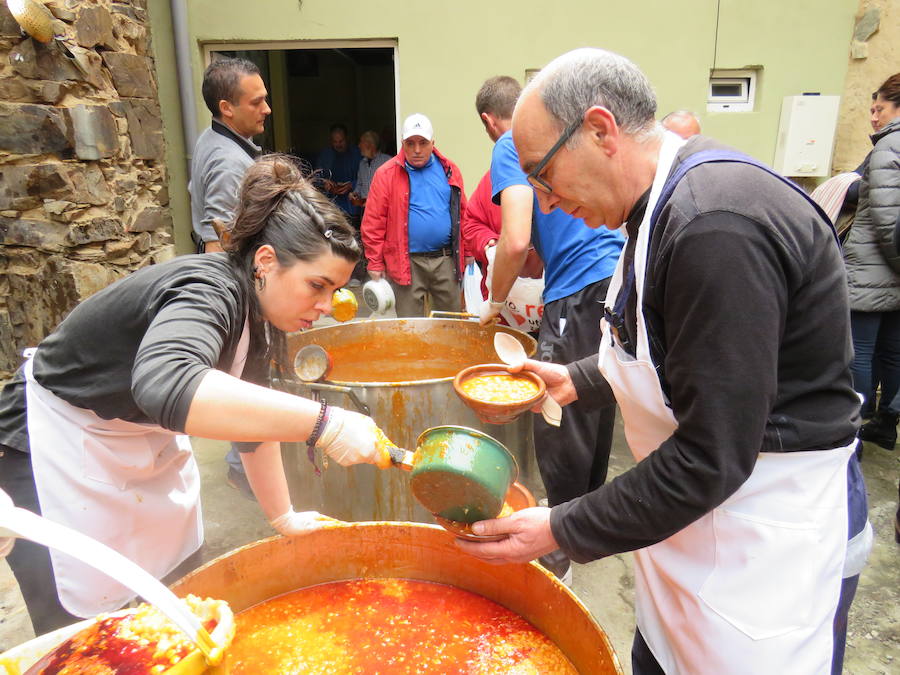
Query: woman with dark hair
[(94, 426), (873, 268)]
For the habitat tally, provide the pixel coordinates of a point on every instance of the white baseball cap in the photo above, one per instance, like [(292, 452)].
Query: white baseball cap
[(417, 125)]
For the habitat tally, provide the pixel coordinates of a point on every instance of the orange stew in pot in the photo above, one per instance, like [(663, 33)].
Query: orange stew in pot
[(389, 626), (499, 388), (138, 642)]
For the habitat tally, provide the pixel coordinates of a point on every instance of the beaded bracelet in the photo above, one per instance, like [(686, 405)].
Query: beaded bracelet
[(318, 427), (321, 420)]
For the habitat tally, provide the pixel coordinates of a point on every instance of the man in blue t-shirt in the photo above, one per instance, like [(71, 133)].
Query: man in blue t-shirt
[(578, 263), (410, 228)]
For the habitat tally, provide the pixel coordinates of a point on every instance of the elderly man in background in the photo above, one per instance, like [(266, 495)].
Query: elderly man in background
[(573, 458), (682, 122), (235, 94), (372, 158), (411, 227), (726, 344)]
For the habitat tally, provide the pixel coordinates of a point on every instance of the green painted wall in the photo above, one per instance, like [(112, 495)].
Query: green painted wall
[(170, 104), (446, 50)]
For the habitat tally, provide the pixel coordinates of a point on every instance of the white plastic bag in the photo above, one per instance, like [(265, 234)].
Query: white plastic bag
[(472, 288), (524, 305)]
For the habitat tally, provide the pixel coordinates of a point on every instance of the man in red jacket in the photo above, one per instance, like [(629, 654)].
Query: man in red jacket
[(411, 225)]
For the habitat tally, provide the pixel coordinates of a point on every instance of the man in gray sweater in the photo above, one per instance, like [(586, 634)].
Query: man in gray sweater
[(235, 94)]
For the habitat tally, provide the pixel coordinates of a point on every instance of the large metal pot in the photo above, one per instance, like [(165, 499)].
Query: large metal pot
[(399, 371), (272, 567)]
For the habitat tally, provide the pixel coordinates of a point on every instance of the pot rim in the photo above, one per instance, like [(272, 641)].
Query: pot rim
[(529, 348)]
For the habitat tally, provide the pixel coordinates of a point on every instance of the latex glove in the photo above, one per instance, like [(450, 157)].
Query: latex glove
[(350, 438), (6, 543), (489, 311), (294, 523)]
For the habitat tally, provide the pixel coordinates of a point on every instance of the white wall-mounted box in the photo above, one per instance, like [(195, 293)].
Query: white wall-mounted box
[(806, 135)]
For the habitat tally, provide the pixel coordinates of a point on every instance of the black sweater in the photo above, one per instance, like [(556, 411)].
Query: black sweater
[(138, 349), (746, 302)]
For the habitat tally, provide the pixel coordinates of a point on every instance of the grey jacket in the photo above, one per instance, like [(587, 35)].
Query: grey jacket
[(220, 159), (873, 265)]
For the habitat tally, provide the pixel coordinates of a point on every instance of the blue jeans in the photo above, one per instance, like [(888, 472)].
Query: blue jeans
[(876, 348), (234, 459)]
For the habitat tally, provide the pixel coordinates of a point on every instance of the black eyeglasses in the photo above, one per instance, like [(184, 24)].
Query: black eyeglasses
[(534, 179)]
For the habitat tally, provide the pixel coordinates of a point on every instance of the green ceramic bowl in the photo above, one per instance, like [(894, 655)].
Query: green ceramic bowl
[(461, 474)]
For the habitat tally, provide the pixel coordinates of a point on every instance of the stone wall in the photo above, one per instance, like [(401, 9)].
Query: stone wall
[(874, 55), (83, 196)]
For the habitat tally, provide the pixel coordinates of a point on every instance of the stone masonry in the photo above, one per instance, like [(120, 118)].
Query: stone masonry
[(83, 196)]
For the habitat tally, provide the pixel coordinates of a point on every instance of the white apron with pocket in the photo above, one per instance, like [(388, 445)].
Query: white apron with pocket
[(134, 487), (751, 587)]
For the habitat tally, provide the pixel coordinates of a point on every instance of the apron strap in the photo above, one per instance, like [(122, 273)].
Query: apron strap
[(707, 156), (616, 316)]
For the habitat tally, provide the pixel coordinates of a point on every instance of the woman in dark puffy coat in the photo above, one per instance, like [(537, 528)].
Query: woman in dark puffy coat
[(873, 267)]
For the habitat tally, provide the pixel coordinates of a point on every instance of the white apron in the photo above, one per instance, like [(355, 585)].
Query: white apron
[(751, 587), (134, 487)]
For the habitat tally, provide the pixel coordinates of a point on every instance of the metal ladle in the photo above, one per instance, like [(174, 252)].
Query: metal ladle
[(512, 353), (312, 363)]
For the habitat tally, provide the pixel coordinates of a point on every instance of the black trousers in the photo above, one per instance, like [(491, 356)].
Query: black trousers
[(31, 563), (573, 458)]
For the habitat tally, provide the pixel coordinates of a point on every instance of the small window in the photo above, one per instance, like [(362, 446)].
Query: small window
[(731, 91)]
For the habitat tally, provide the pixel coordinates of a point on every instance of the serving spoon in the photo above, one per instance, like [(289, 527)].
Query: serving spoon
[(312, 363), (27, 525), (512, 353)]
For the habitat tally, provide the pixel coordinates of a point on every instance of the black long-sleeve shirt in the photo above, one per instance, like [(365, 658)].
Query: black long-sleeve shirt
[(745, 298), (138, 349)]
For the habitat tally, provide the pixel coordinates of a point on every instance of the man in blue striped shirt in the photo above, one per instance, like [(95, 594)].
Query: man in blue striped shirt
[(372, 158)]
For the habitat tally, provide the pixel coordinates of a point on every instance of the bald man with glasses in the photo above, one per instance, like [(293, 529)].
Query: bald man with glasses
[(725, 343)]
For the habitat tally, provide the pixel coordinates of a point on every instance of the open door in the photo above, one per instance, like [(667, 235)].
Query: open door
[(312, 88)]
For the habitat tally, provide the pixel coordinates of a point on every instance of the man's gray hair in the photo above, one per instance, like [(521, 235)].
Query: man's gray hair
[(371, 137), (578, 80)]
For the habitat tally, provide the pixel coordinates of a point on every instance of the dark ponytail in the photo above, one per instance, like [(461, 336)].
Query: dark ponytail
[(279, 207)]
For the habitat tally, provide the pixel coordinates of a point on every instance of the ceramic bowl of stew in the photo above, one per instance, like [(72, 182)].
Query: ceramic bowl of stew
[(495, 394)]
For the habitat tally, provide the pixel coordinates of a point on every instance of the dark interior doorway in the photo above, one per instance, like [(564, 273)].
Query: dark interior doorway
[(311, 89)]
